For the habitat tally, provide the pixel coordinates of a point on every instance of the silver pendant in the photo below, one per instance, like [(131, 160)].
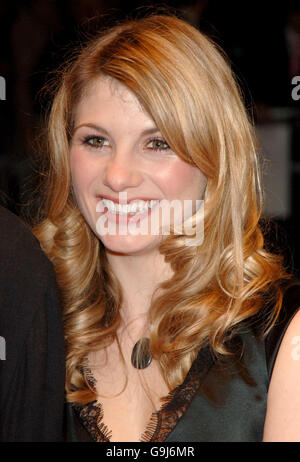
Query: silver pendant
[(141, 356)]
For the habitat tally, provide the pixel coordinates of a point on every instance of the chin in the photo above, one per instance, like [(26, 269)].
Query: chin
[(130, 245)]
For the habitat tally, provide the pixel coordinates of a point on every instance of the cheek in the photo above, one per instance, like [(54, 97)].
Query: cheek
[(183, 180), (82, 172)]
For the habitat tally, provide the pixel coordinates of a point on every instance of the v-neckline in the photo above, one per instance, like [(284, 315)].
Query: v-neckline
[(163, 421)]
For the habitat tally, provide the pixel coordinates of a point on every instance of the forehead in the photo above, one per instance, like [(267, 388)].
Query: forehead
[(109, 103), (106, 91)]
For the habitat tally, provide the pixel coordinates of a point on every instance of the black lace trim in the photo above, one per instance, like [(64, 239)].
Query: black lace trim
[(91, 415), (162, 422)]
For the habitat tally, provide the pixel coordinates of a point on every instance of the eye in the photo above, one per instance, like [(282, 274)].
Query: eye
[(158, 144), (96, 141)]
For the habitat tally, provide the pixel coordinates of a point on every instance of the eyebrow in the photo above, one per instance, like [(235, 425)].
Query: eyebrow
[(148, 131)]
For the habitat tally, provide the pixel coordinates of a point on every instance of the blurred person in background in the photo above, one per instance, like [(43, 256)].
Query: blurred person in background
[(32, 363)]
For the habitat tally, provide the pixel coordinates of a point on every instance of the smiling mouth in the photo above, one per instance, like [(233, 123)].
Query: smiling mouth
[(133, 208)]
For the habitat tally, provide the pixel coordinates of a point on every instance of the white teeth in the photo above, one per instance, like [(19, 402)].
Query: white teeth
[(134, 207)]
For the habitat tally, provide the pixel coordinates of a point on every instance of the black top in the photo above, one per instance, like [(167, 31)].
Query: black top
[(219, 400), (32, 369)]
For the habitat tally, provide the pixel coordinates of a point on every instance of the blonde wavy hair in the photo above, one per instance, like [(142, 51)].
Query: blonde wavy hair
[(186, 85)]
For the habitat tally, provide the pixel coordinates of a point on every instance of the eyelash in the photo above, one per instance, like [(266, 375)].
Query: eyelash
[(160, 140), (87, 141)]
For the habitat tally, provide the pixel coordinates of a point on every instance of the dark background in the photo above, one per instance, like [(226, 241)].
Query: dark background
[(261, 39)]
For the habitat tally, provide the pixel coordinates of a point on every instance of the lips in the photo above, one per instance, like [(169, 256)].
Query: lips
[(130, 208), (122, 199), (123, 213), (123, 206)]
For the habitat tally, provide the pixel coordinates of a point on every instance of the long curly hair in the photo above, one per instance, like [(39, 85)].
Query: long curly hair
[(184, 82)]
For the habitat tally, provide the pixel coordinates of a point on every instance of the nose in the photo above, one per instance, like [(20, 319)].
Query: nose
[(121, 172)]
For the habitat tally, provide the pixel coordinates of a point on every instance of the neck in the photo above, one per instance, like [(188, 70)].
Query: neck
[(139, 276)]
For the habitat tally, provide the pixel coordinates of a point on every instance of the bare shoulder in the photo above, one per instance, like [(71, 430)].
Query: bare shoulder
[(283, 409)]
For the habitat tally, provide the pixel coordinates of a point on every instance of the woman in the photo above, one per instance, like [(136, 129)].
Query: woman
[(164, 328)]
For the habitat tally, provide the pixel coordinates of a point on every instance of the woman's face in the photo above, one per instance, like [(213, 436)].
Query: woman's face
[(118, 156)]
